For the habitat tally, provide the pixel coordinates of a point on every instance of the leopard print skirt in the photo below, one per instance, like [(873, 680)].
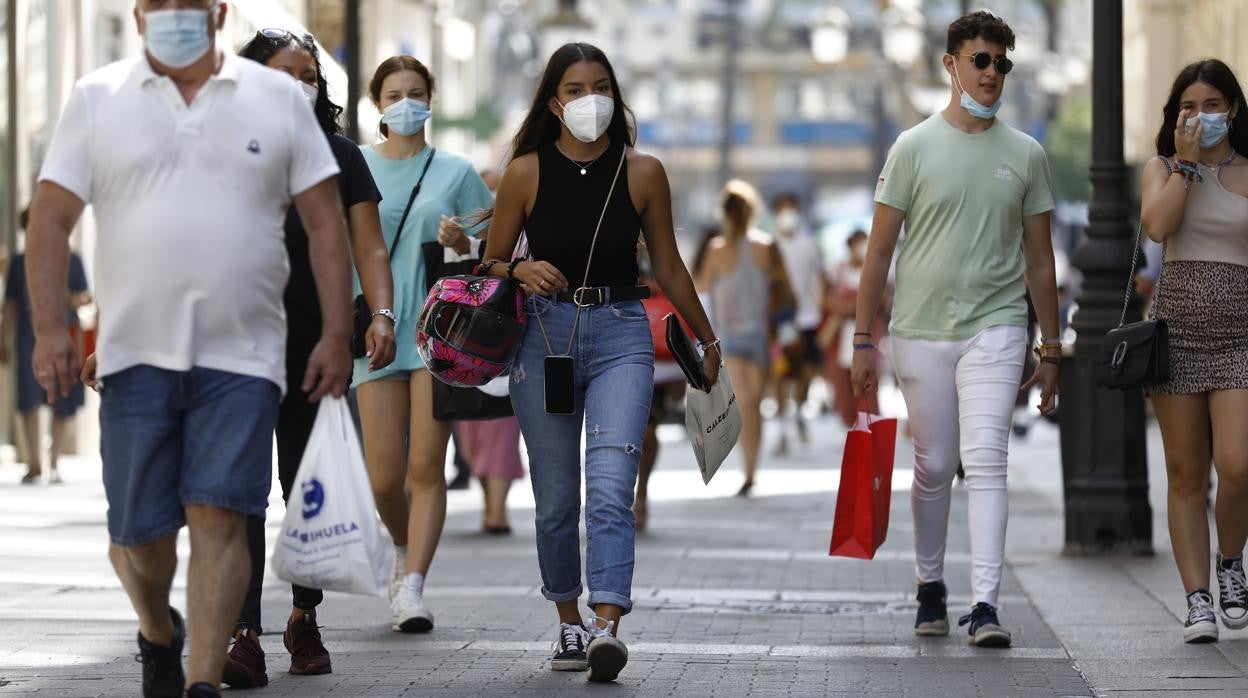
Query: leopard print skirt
[(1205, 306)]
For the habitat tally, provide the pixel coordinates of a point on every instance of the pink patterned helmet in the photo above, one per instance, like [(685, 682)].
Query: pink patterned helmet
[(470, 329)]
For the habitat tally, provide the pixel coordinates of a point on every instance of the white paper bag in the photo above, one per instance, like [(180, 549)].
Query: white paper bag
[(331, 538), (714, 423)]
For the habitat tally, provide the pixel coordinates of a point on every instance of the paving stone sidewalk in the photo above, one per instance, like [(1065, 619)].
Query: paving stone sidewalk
[(733, 597)]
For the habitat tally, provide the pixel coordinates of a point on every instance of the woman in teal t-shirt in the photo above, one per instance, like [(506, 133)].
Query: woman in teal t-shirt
[(398, 400)]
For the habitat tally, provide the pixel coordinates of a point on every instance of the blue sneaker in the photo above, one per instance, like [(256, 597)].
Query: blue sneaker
[(985, 630), (933, 616)]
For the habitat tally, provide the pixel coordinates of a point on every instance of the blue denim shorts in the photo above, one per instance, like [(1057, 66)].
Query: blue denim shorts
[(752, 347), (173, 438)]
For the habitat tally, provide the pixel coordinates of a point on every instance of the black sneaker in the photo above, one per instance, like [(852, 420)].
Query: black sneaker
[(569, 649), (606, 655), (933, 617), (202, 690), (1202, 623), (162, 666), (1232, 591), (985, 630)]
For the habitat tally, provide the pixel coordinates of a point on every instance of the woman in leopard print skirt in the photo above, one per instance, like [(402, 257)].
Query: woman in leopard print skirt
[(1195, 200)]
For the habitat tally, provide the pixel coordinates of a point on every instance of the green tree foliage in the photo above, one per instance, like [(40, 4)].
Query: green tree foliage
[(1069, 146)]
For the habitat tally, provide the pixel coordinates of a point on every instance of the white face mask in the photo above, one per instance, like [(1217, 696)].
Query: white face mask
[(588, 117), (788, 220), (310, 92)]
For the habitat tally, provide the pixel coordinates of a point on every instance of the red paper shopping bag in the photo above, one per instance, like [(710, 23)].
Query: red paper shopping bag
[(861, 522)]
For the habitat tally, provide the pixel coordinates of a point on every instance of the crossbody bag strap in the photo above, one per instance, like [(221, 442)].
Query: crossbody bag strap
[(411, 200), (592, 244)]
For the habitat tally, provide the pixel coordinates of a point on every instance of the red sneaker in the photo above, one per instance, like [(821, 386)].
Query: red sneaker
[(244, 668), (303, 640)]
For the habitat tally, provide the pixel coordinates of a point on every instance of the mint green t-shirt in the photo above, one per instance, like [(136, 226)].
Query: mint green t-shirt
[(960, 269), (452, 187)]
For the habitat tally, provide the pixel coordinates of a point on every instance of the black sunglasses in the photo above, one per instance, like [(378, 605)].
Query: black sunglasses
[(983, 59)]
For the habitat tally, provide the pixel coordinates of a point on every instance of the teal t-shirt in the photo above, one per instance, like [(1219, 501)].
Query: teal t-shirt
[(452, 187), (960, 269)]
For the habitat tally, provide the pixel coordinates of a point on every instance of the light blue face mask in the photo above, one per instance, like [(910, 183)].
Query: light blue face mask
[(177, 38), (406, 117), (968, 103), (1213, 128)]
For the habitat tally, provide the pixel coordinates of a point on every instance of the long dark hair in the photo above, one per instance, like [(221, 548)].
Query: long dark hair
[(390, 66), (1217, 74), (542, 126), (267, 42)]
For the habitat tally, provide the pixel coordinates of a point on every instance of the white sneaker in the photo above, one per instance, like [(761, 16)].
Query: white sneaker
[(606, 655), (408, 606), (398, 571)]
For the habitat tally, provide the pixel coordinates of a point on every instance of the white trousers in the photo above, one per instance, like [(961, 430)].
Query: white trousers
[(960, 398)]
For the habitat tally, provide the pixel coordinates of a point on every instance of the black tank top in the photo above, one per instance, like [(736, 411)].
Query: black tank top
[(568, 205)]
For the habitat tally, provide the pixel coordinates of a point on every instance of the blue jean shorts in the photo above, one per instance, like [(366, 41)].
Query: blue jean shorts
[(173, 438)]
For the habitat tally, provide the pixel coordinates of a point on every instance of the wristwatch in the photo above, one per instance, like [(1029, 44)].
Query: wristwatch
[(385, 312)]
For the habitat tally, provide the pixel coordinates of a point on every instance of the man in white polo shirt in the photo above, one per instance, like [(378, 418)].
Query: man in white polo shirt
[(190, 157)]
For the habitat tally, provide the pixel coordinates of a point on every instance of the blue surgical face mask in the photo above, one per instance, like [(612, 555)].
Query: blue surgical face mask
[(177, 38), (406, 117), (1213, 128), (968, 103)]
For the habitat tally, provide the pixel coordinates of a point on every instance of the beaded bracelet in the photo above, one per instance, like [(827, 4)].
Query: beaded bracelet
[(511, 268), (866, 346), (485, 267), (1190, 172)]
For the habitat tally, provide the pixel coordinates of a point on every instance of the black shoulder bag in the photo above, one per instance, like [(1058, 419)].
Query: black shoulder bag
[(1135, 355), (361, 314)]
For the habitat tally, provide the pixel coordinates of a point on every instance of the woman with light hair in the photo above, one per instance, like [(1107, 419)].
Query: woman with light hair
[(744, 274)]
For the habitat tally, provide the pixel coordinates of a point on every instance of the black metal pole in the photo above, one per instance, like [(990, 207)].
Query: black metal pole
[(12, 173), (1104, 454), (732, 42), (352, 44)]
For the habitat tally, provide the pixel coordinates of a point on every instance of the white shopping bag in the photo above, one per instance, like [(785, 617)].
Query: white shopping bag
[(331, 538), (714, 423)]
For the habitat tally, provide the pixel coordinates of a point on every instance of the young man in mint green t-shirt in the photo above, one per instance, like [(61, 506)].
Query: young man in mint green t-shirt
[(975, 197)]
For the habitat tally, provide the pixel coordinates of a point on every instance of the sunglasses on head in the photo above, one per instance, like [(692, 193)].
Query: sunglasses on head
[(983, 59), (276, 34)]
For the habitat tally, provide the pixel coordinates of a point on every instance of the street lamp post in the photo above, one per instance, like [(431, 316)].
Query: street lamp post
[(728, 89), (1104, 455), (351, 43)]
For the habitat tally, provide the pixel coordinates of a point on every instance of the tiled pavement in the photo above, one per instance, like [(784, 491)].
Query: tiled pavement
[(733, 597)]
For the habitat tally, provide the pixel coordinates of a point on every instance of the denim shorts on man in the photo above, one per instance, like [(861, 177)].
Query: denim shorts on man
[(173, 438)]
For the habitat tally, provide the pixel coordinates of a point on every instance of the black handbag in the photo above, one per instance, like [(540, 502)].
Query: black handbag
[(681, 347), (1135, 355), (361, 314), (458, 404)]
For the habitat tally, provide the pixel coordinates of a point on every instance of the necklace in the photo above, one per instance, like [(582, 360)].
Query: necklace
[(1218, 166), (579, 166)]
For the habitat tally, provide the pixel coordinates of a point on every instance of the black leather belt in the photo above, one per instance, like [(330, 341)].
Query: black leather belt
[(589, 296)]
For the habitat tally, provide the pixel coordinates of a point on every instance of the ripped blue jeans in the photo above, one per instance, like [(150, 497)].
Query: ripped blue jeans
[(613, 377)]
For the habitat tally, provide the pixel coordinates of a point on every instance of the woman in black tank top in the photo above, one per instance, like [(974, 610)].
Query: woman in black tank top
[(583, 198)]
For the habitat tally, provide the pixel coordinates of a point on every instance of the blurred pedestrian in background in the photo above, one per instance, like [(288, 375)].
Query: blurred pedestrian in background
[(837, 334), (17, 340), (492, 449), (739, 272), (804, 264)]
